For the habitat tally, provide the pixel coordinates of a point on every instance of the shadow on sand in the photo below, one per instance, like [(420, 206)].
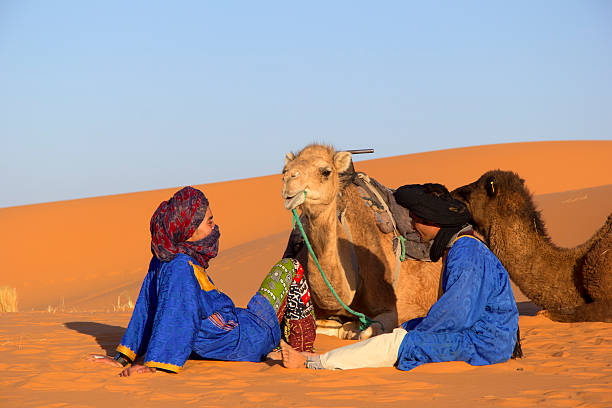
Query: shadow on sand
[(106, 335), (527, 309)]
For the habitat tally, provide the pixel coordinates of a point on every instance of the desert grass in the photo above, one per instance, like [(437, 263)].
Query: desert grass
[(8, 299), (124, 303), (61, 306), (122, 307)]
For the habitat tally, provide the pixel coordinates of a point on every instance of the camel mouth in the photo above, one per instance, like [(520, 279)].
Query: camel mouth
[(295, 200)]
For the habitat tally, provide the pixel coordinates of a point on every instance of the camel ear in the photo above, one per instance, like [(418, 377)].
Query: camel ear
[(288, 157), (342, 161), (491, 187)]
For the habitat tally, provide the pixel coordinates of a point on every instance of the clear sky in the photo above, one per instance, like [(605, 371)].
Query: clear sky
[(105, 97)]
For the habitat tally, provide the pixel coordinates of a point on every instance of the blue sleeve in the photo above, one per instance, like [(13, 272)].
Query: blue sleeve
[(465, 293), (177, 318), (135, 339), (412, 323)]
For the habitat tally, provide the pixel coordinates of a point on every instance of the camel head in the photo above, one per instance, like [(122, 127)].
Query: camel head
[(316, 171), (497, 198)]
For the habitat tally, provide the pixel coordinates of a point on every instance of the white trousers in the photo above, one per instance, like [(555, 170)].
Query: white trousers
[(377, 351)]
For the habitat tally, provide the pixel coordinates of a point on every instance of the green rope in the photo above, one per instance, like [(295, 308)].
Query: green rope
[(364, 320), (402, 242)]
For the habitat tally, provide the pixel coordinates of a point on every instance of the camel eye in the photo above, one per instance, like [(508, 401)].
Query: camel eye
[(491, 187), (325, 172)]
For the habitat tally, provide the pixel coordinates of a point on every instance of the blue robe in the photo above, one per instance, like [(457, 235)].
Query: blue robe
[(475, 320), (179, 311)]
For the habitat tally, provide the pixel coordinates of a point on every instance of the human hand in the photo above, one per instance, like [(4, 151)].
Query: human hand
[(136, 369), (375, 329), (100, 358)]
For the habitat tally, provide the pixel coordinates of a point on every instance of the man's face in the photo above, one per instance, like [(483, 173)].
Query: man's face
[(426, 230), (205, 228)]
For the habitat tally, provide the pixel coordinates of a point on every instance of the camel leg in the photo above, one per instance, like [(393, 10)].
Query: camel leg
[(347, 331), (384, 323), (329, 327), (351, 331), (598, 311)]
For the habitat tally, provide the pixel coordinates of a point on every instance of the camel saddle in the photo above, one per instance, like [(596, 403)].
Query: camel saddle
[(390, 218)]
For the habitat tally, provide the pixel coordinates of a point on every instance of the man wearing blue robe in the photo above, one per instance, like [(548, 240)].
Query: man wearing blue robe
[(180, 312), (474, 320)]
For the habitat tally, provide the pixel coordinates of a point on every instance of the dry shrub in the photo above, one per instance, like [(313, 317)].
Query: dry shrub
[(8, 299), (122, 307)]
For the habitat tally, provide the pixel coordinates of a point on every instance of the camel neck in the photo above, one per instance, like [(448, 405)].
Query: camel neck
[(324, 222), (531, 260), (324, 239)]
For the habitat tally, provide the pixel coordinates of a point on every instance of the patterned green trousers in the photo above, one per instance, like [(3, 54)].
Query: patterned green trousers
[(286, 289)]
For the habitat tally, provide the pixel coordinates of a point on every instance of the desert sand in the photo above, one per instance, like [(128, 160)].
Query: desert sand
[(77, 267)]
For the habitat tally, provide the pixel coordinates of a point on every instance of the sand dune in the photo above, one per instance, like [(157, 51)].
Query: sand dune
[(82, 248), (548, 167), (60, 254), (82, 261), (573, 216)]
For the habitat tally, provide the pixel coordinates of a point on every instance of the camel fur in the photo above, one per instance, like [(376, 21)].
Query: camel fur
[(571, 284), (319, 171)]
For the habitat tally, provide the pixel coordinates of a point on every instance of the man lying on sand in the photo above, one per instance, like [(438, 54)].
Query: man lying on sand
[(475, 320), (180, 311)]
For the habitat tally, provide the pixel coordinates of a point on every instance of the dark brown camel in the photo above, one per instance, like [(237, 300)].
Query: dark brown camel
[(571, 284)]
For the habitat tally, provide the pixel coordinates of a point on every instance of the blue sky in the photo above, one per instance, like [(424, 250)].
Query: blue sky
[(106, 97)]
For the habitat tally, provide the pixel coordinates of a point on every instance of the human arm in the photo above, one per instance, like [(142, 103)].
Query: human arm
[(177, 318), (135, 339), (465, 292)]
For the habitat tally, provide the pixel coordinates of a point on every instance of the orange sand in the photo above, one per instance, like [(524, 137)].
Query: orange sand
[(95, 254), (566, 365)]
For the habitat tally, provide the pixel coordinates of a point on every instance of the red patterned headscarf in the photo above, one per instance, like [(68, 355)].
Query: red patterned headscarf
[(175, 221)]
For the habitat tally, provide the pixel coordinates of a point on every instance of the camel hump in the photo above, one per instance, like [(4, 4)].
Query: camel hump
[(391, 216)]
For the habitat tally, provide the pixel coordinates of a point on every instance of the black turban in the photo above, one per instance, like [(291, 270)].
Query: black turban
[(441, 209)]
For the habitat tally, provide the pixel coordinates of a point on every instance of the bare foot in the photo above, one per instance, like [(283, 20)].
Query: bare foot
[(100, 358), (291, 357), (136, 369), (274, 355)]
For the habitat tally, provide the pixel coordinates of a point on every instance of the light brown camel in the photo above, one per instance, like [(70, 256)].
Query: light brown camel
[(571, 284), (317, 171)]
